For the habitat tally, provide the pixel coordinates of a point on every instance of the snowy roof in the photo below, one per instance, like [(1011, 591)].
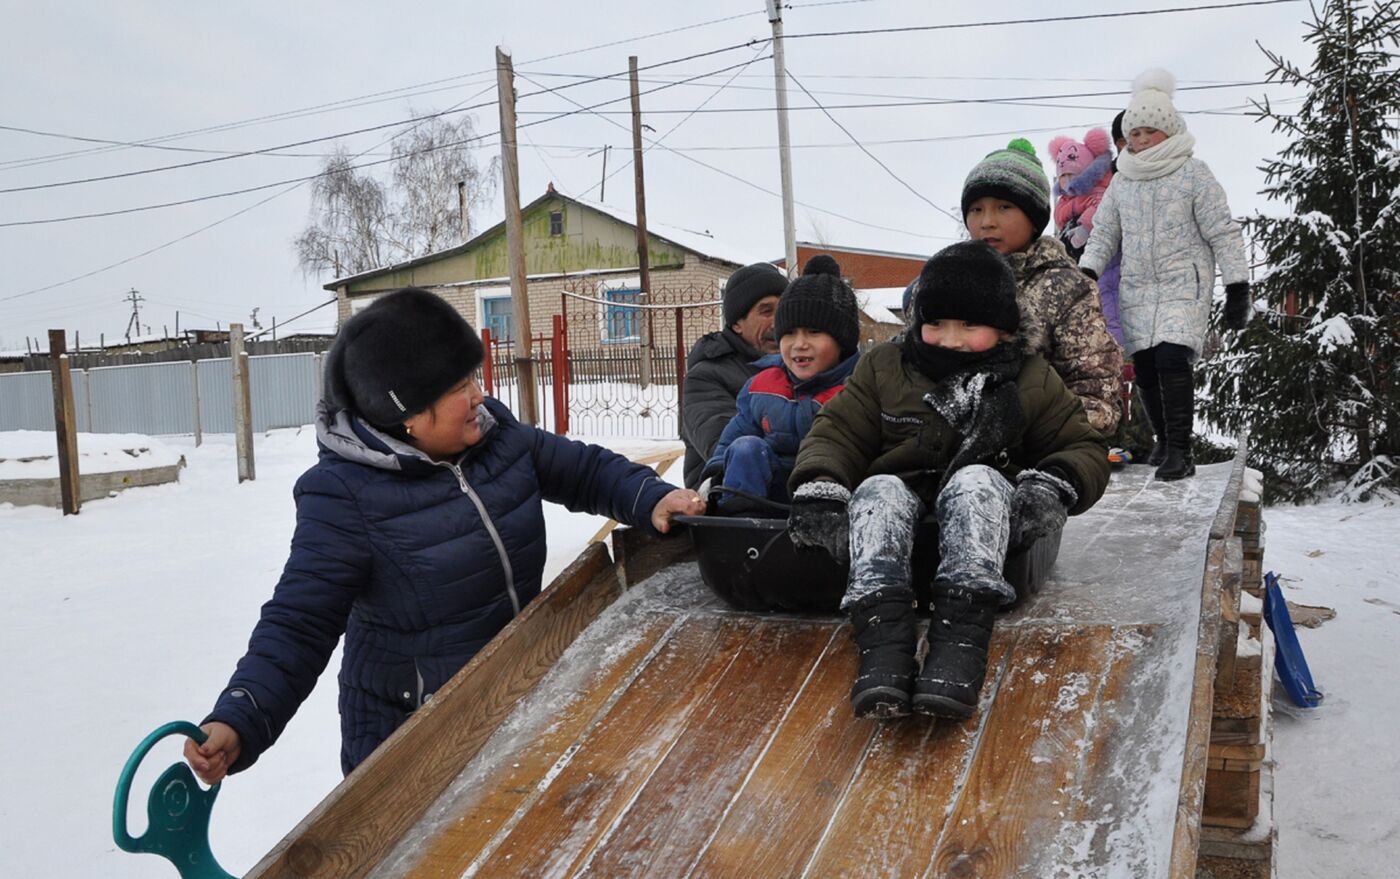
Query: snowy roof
[(882, 304), (703, 243)]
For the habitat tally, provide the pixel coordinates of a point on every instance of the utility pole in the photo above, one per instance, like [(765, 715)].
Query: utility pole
[(775, 18), (603, 181), (65, 422), (643, 262), (515, 239), (242, 404), (135, 299), (462, 207)]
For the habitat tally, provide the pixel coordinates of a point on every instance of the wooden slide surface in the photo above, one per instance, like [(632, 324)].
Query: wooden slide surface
[(629, 724)]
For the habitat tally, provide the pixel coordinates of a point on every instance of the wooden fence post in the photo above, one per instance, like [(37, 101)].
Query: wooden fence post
[(488, 378), (559, 360), (194, 384), (64, 423), (242, 404), (680, 372)]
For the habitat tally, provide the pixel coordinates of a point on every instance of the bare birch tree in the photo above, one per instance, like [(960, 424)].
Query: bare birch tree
[(358, 224)]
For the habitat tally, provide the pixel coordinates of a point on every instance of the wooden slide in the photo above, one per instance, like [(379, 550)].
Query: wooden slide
[(629, 724)]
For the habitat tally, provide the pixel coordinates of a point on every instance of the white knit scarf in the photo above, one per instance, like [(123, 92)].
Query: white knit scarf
[(1157, 161)]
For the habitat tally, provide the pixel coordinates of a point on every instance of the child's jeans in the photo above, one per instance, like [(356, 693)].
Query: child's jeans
[(974, 516), (751, 466)]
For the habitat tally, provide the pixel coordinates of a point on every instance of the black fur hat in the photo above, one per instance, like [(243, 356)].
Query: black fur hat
[(967, 281), (747, 286), (398, 356), (820, 300)]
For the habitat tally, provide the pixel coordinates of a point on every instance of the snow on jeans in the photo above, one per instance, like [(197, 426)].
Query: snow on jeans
[(974, 529)]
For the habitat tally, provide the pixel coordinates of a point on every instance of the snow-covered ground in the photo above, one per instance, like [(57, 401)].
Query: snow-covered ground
[(133, 613)]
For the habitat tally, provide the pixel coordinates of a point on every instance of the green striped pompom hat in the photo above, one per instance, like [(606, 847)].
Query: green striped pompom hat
[(1013, 174)]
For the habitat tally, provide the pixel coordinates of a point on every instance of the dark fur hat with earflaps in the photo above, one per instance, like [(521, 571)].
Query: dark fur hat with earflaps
[(398, 356)]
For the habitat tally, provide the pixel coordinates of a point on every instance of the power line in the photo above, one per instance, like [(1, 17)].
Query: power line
[(765, 189), (928, 102), (855, 140), (364, 100), (1046, 20), (299, 180), (672, 129), (412, 121), (189, 235)]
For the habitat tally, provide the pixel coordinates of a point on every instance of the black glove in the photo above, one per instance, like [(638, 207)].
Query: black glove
[(1238, 308), (1093, 275), (818, 518), (1039, 505)]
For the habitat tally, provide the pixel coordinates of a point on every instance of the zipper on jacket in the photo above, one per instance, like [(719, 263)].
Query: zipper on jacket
[(418, 673), (495, 535)]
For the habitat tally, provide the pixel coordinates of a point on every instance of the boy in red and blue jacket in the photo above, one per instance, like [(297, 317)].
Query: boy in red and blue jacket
[(818, 330)]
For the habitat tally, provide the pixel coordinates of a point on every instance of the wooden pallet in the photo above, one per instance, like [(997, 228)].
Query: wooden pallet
[(628, 724)]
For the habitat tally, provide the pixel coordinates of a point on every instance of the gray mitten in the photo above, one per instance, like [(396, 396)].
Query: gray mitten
[(1039, 506), (818, 518)]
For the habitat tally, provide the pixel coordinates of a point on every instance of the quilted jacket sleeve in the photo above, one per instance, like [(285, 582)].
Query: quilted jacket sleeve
[(302, 622), (1107, 237), (742, 424), (591, 479), (1058, 434), (1218, 227)]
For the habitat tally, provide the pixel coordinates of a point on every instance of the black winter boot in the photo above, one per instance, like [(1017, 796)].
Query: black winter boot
[(1179, 409), (956, 666), (887, 635), (1152, 405)]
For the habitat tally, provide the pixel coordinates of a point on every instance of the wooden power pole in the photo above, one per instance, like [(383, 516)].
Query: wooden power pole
[(515, 240), (775, 18), (242, 404), (65, 423), (643, 262)]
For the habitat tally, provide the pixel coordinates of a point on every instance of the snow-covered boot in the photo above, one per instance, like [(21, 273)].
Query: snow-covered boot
[(958, 638), (1179, 410), (1152, 405), (887, 636)]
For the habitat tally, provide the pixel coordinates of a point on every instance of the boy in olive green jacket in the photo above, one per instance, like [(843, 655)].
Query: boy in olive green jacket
[(956, 418)]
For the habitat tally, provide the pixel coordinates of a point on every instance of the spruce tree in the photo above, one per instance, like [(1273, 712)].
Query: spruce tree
[(1315, 378)]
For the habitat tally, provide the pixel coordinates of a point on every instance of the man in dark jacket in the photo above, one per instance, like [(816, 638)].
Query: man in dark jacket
[(722, 361)]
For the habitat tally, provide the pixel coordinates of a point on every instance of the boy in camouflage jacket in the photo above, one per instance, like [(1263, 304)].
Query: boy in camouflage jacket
[(1006, 203), (956, 418)]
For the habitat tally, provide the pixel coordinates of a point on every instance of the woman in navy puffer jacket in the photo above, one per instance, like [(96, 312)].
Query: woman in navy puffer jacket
[(420, 533)]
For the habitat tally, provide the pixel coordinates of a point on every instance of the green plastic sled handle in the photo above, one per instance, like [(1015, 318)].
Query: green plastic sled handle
[(178, 809)]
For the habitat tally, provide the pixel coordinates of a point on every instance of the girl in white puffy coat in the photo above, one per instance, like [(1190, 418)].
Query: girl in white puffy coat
[(1168, 214)]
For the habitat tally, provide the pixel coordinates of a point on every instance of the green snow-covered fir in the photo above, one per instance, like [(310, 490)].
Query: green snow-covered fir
[(1319, 389)]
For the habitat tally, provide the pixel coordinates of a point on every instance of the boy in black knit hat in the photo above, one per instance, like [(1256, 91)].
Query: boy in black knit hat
[(956, 418), (818, 330)]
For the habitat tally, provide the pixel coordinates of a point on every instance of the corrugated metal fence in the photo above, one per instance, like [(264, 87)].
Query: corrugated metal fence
[(168, 398)]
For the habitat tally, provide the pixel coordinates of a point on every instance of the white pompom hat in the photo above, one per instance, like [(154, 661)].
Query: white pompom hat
[(1151, 104)]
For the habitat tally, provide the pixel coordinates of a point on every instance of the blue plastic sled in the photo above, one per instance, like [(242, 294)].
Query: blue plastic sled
[(1288, 658)]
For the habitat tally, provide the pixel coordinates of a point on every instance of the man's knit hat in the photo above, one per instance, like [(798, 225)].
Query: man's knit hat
[(819, 299), (1013, 174), (1151, 104), (747, 286), (967, 281), (398, 356)]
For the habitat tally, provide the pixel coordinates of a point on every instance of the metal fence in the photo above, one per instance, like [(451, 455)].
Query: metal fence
[(592, 390), (182, 397)]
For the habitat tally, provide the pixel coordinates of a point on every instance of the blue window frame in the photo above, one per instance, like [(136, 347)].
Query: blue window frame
[(621, 323), (496, 316)]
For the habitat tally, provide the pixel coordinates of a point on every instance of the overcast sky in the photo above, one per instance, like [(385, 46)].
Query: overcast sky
[(137, 71)]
